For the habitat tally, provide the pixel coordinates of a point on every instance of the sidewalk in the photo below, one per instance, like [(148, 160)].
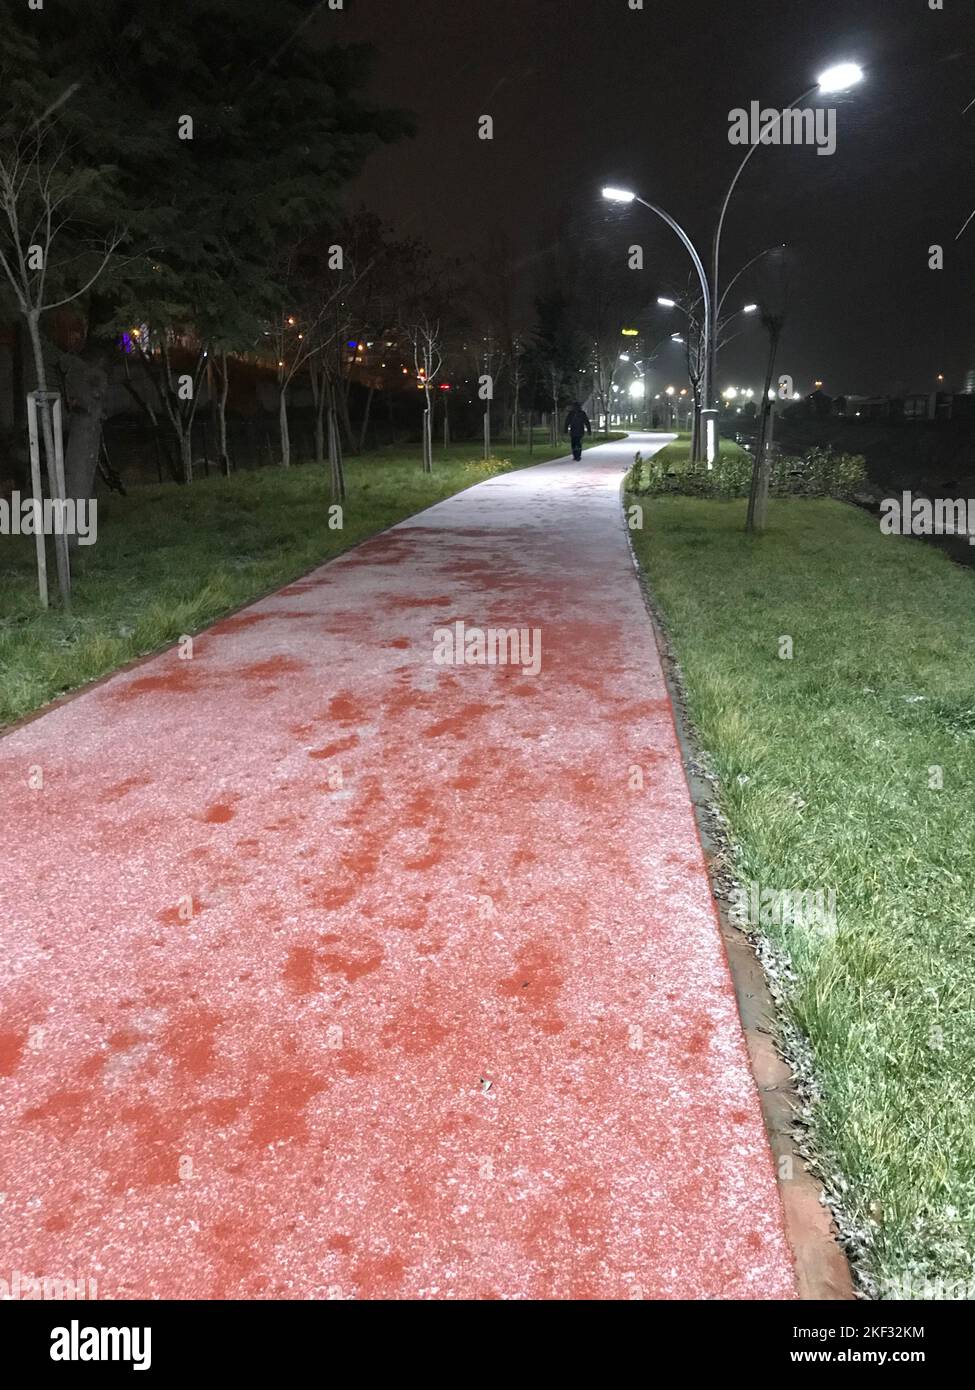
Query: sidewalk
[(329, 971)]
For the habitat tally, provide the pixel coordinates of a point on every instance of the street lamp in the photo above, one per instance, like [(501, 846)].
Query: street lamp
[(625, 195), (839, 78)]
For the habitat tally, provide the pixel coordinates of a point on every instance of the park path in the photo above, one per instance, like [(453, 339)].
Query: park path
[(329, 971)]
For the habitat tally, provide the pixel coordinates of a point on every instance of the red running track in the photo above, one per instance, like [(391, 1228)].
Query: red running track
[(329, 971)]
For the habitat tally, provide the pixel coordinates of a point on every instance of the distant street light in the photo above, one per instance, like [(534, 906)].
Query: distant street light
[(624, 195)]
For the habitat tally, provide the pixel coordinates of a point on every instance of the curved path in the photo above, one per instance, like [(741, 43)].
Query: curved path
[(332, 971)]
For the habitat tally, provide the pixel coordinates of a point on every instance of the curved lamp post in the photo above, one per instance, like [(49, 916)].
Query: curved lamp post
[(839, 78), (625, 195)]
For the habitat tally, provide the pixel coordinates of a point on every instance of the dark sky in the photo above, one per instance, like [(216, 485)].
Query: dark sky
[(587, 91)]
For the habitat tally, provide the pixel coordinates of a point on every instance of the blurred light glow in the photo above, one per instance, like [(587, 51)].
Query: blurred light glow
[(841, 77), (618, 195)]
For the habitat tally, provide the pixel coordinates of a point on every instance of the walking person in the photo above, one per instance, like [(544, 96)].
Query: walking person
[(576, 424)]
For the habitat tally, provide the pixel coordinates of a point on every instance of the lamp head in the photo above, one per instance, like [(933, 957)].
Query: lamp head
[(840, 78)]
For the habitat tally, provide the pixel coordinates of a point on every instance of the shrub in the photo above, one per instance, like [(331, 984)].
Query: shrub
[(818, 473)]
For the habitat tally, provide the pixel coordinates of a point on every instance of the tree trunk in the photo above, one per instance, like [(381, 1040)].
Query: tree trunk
[(427, 433), (761, 499), (365, 419), (55, 477), (320, 432), (186, 452), (283, 426), (87, 384), (316, 374), (344, 418), (222, 414), (758, 492), (336, 471)]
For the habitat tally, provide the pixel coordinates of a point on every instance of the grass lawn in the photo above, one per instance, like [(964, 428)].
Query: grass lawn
[(170, 560), (678, 451), (828, 766)]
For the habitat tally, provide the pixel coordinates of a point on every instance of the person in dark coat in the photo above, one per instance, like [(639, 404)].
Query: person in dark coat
[(577, 424)]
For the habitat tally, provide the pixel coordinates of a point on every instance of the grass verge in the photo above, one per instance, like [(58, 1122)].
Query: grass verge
[(677, 454), (850, 767), (170, 560)]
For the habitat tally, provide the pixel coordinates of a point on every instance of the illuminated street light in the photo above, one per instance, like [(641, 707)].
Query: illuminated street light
[(749, 308), (840, 78), (666, 303), (708, 415)]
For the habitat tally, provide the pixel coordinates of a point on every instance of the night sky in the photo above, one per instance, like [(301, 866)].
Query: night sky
[(585, 92)]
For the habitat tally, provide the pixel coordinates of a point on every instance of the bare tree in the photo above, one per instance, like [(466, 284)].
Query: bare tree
[(178, 393), (424, 335), (46, 260)]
